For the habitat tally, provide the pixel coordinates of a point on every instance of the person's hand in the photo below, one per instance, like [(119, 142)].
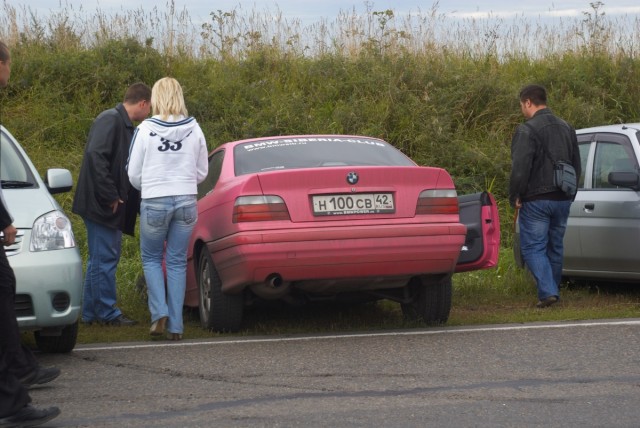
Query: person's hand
[(114, 205), (517, 204), (9, 237)]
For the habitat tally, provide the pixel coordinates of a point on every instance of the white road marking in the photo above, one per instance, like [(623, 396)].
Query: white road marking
[(450, 330)]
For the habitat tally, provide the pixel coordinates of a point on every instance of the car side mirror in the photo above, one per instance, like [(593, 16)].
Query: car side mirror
[(58, 180), (625, 179)]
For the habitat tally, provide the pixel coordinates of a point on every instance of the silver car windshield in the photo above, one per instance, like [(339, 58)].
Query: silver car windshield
[(14, 171), (313, 152)]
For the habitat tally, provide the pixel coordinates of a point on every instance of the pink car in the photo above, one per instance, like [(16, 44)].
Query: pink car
[(307, 217)]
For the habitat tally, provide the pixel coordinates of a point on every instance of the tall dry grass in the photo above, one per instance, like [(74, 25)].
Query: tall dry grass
[(236, 33)]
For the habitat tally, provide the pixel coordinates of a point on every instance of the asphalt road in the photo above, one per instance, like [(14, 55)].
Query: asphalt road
[(573, 374)]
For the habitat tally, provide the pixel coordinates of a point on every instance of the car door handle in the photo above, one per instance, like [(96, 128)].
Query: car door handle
[(589, 207)]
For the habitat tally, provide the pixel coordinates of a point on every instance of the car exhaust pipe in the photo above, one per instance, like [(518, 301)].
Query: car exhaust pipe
[(274, 280), (273, 287)]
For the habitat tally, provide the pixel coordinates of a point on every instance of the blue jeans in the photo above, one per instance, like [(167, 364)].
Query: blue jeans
[(542, 227), (165, 228), (99, 294)]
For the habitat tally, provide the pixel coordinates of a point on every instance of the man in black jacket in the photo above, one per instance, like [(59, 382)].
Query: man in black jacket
[(15, 409), (108, 203), (544, 208)]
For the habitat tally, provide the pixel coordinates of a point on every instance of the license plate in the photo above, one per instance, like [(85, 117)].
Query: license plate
[(360, 203)]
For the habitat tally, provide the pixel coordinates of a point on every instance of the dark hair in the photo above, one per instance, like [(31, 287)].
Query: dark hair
[(4, 52), (136, 93), (535, 93)]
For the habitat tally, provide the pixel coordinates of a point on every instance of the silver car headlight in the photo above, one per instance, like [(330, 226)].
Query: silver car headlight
[(52, 231)]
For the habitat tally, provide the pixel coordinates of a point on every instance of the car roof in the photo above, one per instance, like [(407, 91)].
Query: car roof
[(617, 128)]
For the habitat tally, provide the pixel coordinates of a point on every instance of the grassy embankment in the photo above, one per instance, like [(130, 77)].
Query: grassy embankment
[(442, 90)]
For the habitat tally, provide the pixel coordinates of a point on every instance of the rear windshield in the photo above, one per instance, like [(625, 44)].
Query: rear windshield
[(295, 153)]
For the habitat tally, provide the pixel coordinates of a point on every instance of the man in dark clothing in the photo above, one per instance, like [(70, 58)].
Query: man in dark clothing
[(544, 208), (15, 409), (108, 203)]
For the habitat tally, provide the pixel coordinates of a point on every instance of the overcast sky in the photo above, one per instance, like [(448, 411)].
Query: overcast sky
[(310, 11)]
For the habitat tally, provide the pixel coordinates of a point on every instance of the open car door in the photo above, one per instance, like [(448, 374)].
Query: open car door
[(479, 212)]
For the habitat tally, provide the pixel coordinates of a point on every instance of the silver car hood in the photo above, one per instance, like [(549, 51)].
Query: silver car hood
[(26, 205)]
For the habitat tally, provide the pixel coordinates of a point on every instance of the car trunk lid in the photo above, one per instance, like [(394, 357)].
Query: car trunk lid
[(364, 192)]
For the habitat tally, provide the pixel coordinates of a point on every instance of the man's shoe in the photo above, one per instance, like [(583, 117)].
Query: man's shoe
[(30, 416), (39, 376), (547, 301), (121, 321)]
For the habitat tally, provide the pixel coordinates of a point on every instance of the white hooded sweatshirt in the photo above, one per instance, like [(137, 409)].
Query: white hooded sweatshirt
[(167, 158)]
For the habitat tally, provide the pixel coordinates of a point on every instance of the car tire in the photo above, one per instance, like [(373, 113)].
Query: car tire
[(431, 300), (218, 311), (58, 344), (141, 287)]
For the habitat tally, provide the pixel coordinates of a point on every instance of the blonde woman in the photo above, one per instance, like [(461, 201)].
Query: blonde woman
[(168, 159)]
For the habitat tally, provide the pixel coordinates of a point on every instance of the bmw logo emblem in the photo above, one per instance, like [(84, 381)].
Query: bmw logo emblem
[(352, 178)]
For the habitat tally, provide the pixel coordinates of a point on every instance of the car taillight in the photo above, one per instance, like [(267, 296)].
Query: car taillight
[(440, 201), (260, 208)]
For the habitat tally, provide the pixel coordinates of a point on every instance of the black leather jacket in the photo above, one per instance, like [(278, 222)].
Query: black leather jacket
[(103, 178), (531, 170), (5, 217)]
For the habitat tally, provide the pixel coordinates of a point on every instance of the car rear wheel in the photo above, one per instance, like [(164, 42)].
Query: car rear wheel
[(218, 311), (431, 300), (61, 344)]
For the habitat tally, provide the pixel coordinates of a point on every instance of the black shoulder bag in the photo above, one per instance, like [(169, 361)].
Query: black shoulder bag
[(564, 174)]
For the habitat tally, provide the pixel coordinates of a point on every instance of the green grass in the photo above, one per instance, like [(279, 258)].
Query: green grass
[(507, 294)]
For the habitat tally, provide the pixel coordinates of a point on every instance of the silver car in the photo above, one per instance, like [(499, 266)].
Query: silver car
[(45, 259), (603, 232)]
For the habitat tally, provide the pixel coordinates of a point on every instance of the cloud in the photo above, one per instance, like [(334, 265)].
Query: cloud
[(551, 13)]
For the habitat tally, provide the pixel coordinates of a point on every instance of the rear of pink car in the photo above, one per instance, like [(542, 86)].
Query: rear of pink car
[(290, 231), (308, 217)]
